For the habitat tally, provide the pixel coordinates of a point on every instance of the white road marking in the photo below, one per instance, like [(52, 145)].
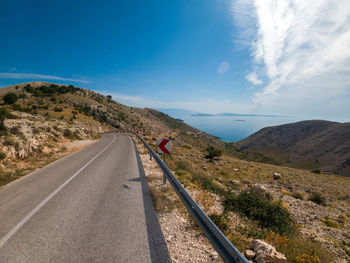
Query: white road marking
[(36, 209)]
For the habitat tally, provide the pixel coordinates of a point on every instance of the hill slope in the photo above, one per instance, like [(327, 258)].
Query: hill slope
[(312, 145), (46, 117)]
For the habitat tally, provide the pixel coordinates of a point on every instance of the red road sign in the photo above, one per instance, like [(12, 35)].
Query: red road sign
[(163, 146)]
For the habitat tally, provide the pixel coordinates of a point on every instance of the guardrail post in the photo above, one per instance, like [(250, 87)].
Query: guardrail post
[(150, 156)]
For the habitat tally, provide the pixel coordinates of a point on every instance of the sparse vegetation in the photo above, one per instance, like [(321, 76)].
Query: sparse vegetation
[(2, 156), (220, 221), (329, 222), (260, 206), (3, 115), (316, 171), (10, 98), (317, 198), (212, 153), (298, 248), (298, 195)]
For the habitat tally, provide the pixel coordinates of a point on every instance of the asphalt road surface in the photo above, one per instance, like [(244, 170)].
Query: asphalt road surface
[(91, 206)]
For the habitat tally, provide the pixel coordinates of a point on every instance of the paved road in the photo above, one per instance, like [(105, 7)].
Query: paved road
[(91, 206)]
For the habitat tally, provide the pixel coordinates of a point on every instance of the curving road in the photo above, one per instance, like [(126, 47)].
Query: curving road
[(91, 206)]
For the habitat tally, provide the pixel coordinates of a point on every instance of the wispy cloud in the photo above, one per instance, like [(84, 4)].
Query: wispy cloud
[(200, 105), (38, 76), (223, 67), (302, 48), (253, 78)]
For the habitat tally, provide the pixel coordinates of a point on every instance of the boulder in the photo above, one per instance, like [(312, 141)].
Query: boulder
[(245, 181), (277, 176), (249, 254), (235, 182), (267, 252), (236, 169)]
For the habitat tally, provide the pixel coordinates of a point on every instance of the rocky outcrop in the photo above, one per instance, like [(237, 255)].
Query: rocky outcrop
[(267, 252)]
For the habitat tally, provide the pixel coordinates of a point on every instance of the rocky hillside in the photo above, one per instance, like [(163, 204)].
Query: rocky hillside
[(304, 215), (38, 120), (315, 145)]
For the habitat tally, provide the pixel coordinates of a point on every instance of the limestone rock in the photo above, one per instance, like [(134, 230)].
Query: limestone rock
[(245, 181), (277, 176), (235, 182), (267, 252), (249, 254)]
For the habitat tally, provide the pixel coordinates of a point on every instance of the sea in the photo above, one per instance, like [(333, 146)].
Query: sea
[(234, 128), (230, 128)]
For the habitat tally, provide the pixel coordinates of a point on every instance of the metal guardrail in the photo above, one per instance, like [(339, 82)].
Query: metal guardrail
[(221, 244)]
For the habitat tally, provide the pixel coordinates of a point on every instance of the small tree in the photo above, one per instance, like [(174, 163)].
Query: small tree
[(3, 115), (10, 98), (212, 153)]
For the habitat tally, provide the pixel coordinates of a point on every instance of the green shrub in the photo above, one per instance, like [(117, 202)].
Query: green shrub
[(2, 155), (209, 185), (9, 142), (67, 133), (183, 165), (16, 130), (10, 98), (329, 222), (35, 130), (58, 109), (212, 153), (219, 221), (317, 198), (260, 206), (316, 171), (298, 195), (3, 116)]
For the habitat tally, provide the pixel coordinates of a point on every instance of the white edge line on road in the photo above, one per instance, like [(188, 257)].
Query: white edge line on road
[(25, 219)]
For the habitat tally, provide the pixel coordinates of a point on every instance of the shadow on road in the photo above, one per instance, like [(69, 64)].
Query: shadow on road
[(158, 248)]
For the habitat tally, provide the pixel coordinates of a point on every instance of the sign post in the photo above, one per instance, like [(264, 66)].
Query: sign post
[(164, 147)]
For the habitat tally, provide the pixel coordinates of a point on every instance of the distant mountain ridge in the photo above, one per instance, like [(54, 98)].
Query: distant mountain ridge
[(315, 145)]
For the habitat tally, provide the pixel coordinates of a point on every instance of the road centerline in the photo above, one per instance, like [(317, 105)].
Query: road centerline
[(50, 196)]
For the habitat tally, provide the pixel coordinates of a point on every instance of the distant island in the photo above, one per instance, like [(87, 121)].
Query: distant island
[(228, 114)]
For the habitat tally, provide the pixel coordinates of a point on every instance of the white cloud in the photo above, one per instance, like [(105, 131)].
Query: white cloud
[(253, 78), (304, 49), (38, 76), (223, 67), (200, 105)]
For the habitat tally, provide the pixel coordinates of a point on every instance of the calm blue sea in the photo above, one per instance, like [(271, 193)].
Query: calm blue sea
[(229, 128), (234, 128)]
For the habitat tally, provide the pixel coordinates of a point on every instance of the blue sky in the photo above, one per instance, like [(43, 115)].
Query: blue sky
[(203, 55)]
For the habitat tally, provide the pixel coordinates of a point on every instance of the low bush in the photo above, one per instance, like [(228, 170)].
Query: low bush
[(9, 142), (16, 130), (212, 153), (298, 195), (329, 222), (317, 198), (183, 165), (209, 185), (10, 98), (67, 133), (3, 116), (299, 249), (219, 221), (2, 155), (260, 206), (58, 109)]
